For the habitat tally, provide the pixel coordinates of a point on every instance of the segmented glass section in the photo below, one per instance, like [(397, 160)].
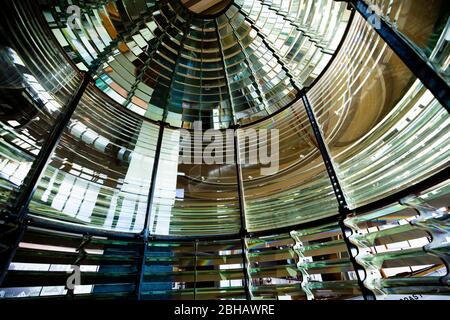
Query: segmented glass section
[(404, 246), (161, 61), (100, 172), (195, 194), (425, 24), (287, 183), (383, 129), (36, 85)]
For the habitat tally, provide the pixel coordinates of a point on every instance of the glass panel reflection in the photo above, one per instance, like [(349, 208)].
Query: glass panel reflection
[(404, 247), (308, 264), (194, 270), (162, 62), (193, 197), (36, 84), (425, 23), (100, 172), (45, 259), (300, 190), (384, 130)]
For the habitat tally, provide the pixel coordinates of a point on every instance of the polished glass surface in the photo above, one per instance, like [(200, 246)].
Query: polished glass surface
[(187, 270), (100, 172), (165, 63), (36, 85), (308, 264), (194, 270), (123, 199), (299, 190), (206, 8), (304, 264)]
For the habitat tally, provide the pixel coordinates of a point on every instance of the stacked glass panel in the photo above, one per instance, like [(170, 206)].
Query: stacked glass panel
[(194, 195), (384, 130), (36, 85), (297, 188), (49, 264), (425, 24), (194, 270), (100, 172), (307, 264), (404, 246)]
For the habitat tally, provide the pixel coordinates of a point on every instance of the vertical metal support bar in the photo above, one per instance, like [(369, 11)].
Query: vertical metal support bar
[(325, 155), (343, 208), (141, 268), (26, 193), (416, 62), (243, 230), (151, 193)]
